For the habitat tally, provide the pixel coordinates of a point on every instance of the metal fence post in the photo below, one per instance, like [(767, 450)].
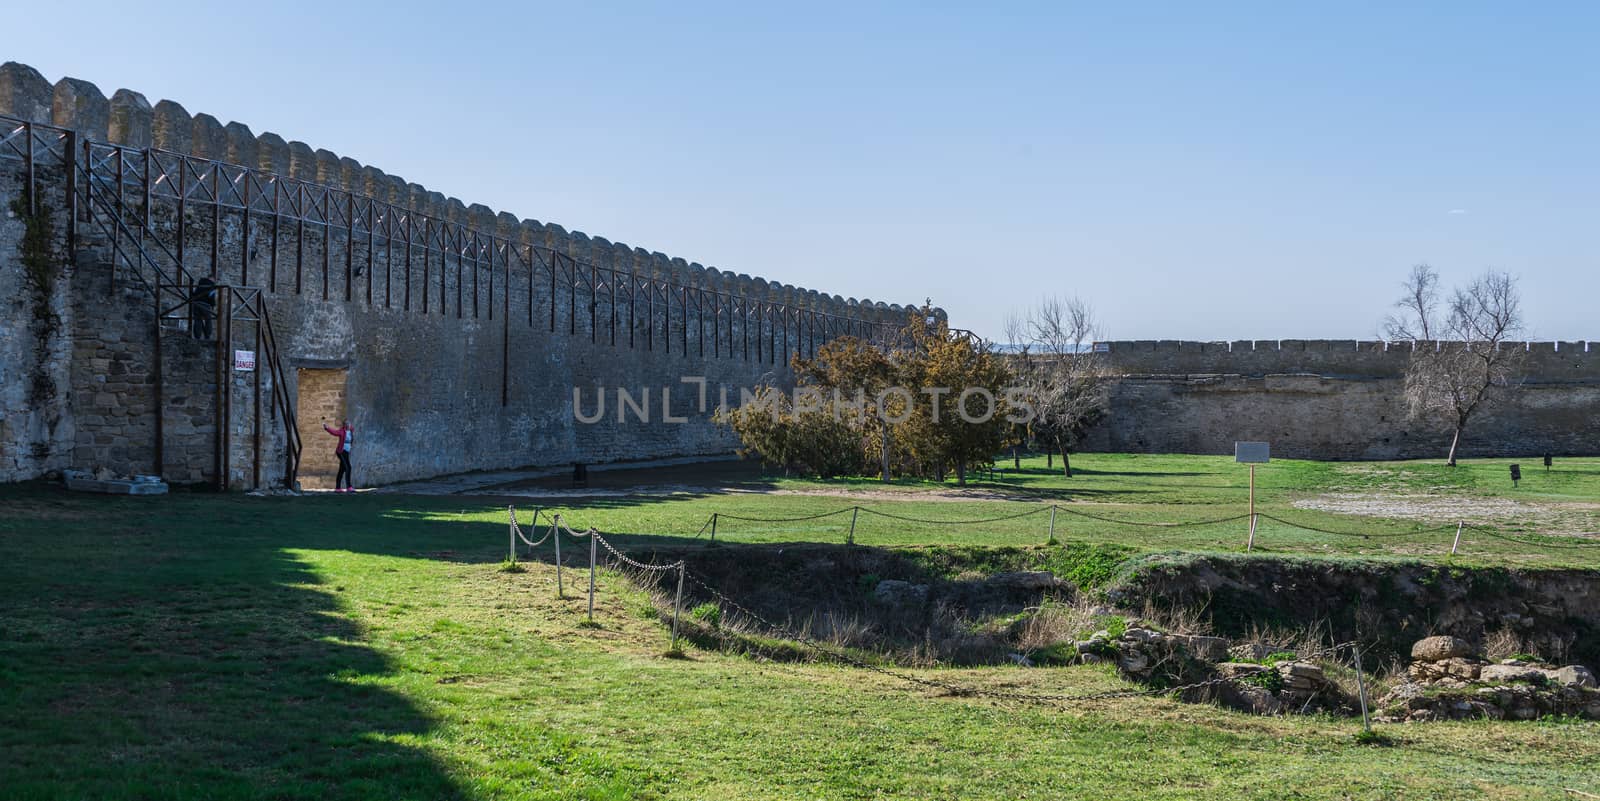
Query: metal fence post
[(677, 607), (592, 547), (713, 526), (1457, 543), (1361, 684), (1052, 539), (533, 529), (555, 534), (511, 533), (851, 539)]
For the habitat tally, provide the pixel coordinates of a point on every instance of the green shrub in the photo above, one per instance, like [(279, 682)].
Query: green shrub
[(708, 613), (1268, 680), (1113, 625), (1088, 566), (1061, 653), (1107, 650)]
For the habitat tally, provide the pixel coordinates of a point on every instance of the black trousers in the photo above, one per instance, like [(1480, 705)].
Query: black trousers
[(344, 471), (202, 322)]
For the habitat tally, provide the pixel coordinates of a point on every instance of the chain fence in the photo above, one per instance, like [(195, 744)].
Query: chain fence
[(679, 569), (1458, 530), (712, 523)]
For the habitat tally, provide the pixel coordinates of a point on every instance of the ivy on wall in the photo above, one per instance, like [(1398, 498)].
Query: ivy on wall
[(41, 268)]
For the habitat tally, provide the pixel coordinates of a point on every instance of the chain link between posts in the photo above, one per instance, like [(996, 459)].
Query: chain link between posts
[(856, 511), (1361, 535), (534, 524), (833, 654)]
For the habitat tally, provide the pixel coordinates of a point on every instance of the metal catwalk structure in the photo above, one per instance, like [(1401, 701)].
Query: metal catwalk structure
[(169, 219)]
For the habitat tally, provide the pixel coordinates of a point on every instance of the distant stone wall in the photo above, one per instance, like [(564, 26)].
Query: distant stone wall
[(1333, 399), (459, 356), (1349, 358)]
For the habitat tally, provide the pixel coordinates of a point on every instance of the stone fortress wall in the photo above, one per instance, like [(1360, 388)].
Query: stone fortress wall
[(1334, 399), (462, 331), (458, 348)]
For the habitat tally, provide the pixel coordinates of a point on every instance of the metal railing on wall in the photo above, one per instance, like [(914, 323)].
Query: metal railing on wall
[(165, 214), (94, 197), (425, 257)]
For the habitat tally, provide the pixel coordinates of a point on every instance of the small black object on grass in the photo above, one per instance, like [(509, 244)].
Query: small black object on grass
[(1516, 474)]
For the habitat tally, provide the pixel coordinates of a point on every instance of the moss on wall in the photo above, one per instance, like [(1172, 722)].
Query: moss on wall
[(42, 267)]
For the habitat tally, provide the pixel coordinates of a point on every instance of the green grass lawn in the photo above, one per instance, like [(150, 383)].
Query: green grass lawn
[(1185, 479), (1543, 522), (206, 647)]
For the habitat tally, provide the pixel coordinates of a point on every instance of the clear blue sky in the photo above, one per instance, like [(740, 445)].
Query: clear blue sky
[(1249, 172)]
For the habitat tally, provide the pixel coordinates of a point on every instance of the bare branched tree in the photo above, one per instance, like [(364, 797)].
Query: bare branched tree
[(1056, 364), (1413, 320), (1461, 363)]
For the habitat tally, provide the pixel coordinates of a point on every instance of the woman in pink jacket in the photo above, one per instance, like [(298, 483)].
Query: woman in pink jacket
[(347, 436)]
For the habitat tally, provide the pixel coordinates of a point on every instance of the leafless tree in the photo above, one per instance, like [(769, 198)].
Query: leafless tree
[(1065, 379), (1460, 363)]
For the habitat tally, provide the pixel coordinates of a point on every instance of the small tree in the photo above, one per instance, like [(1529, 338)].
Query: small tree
[(943, 395), (958, 417), (848, 368), (1065, 380), (1460, 363), (810, 439)]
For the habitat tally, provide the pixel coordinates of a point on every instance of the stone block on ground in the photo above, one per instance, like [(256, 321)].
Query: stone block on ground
[(1026, 580), (1571, 676), (1505, 674), (1236, 670), (1438, 649), (900, 593), (1250, 698), (1133, 661), (1211, 649), (1249, 652)]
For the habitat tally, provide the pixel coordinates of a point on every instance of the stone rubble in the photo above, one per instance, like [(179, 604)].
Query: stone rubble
[(1447, 680)]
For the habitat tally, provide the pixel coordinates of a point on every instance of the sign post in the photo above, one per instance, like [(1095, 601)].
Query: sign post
[(1252, 453)]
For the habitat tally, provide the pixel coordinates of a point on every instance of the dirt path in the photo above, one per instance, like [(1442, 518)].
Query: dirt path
[(1547, 517)]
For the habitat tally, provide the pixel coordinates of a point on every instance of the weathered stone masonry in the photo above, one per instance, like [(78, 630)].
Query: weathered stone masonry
[(461, 332), (1334, 399)]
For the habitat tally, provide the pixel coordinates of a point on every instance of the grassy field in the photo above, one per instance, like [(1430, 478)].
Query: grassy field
[(1549, 520), (206, 647)]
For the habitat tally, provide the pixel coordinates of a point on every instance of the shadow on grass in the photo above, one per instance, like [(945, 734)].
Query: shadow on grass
[(1056, 472), (695, 479), (171, 648)]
